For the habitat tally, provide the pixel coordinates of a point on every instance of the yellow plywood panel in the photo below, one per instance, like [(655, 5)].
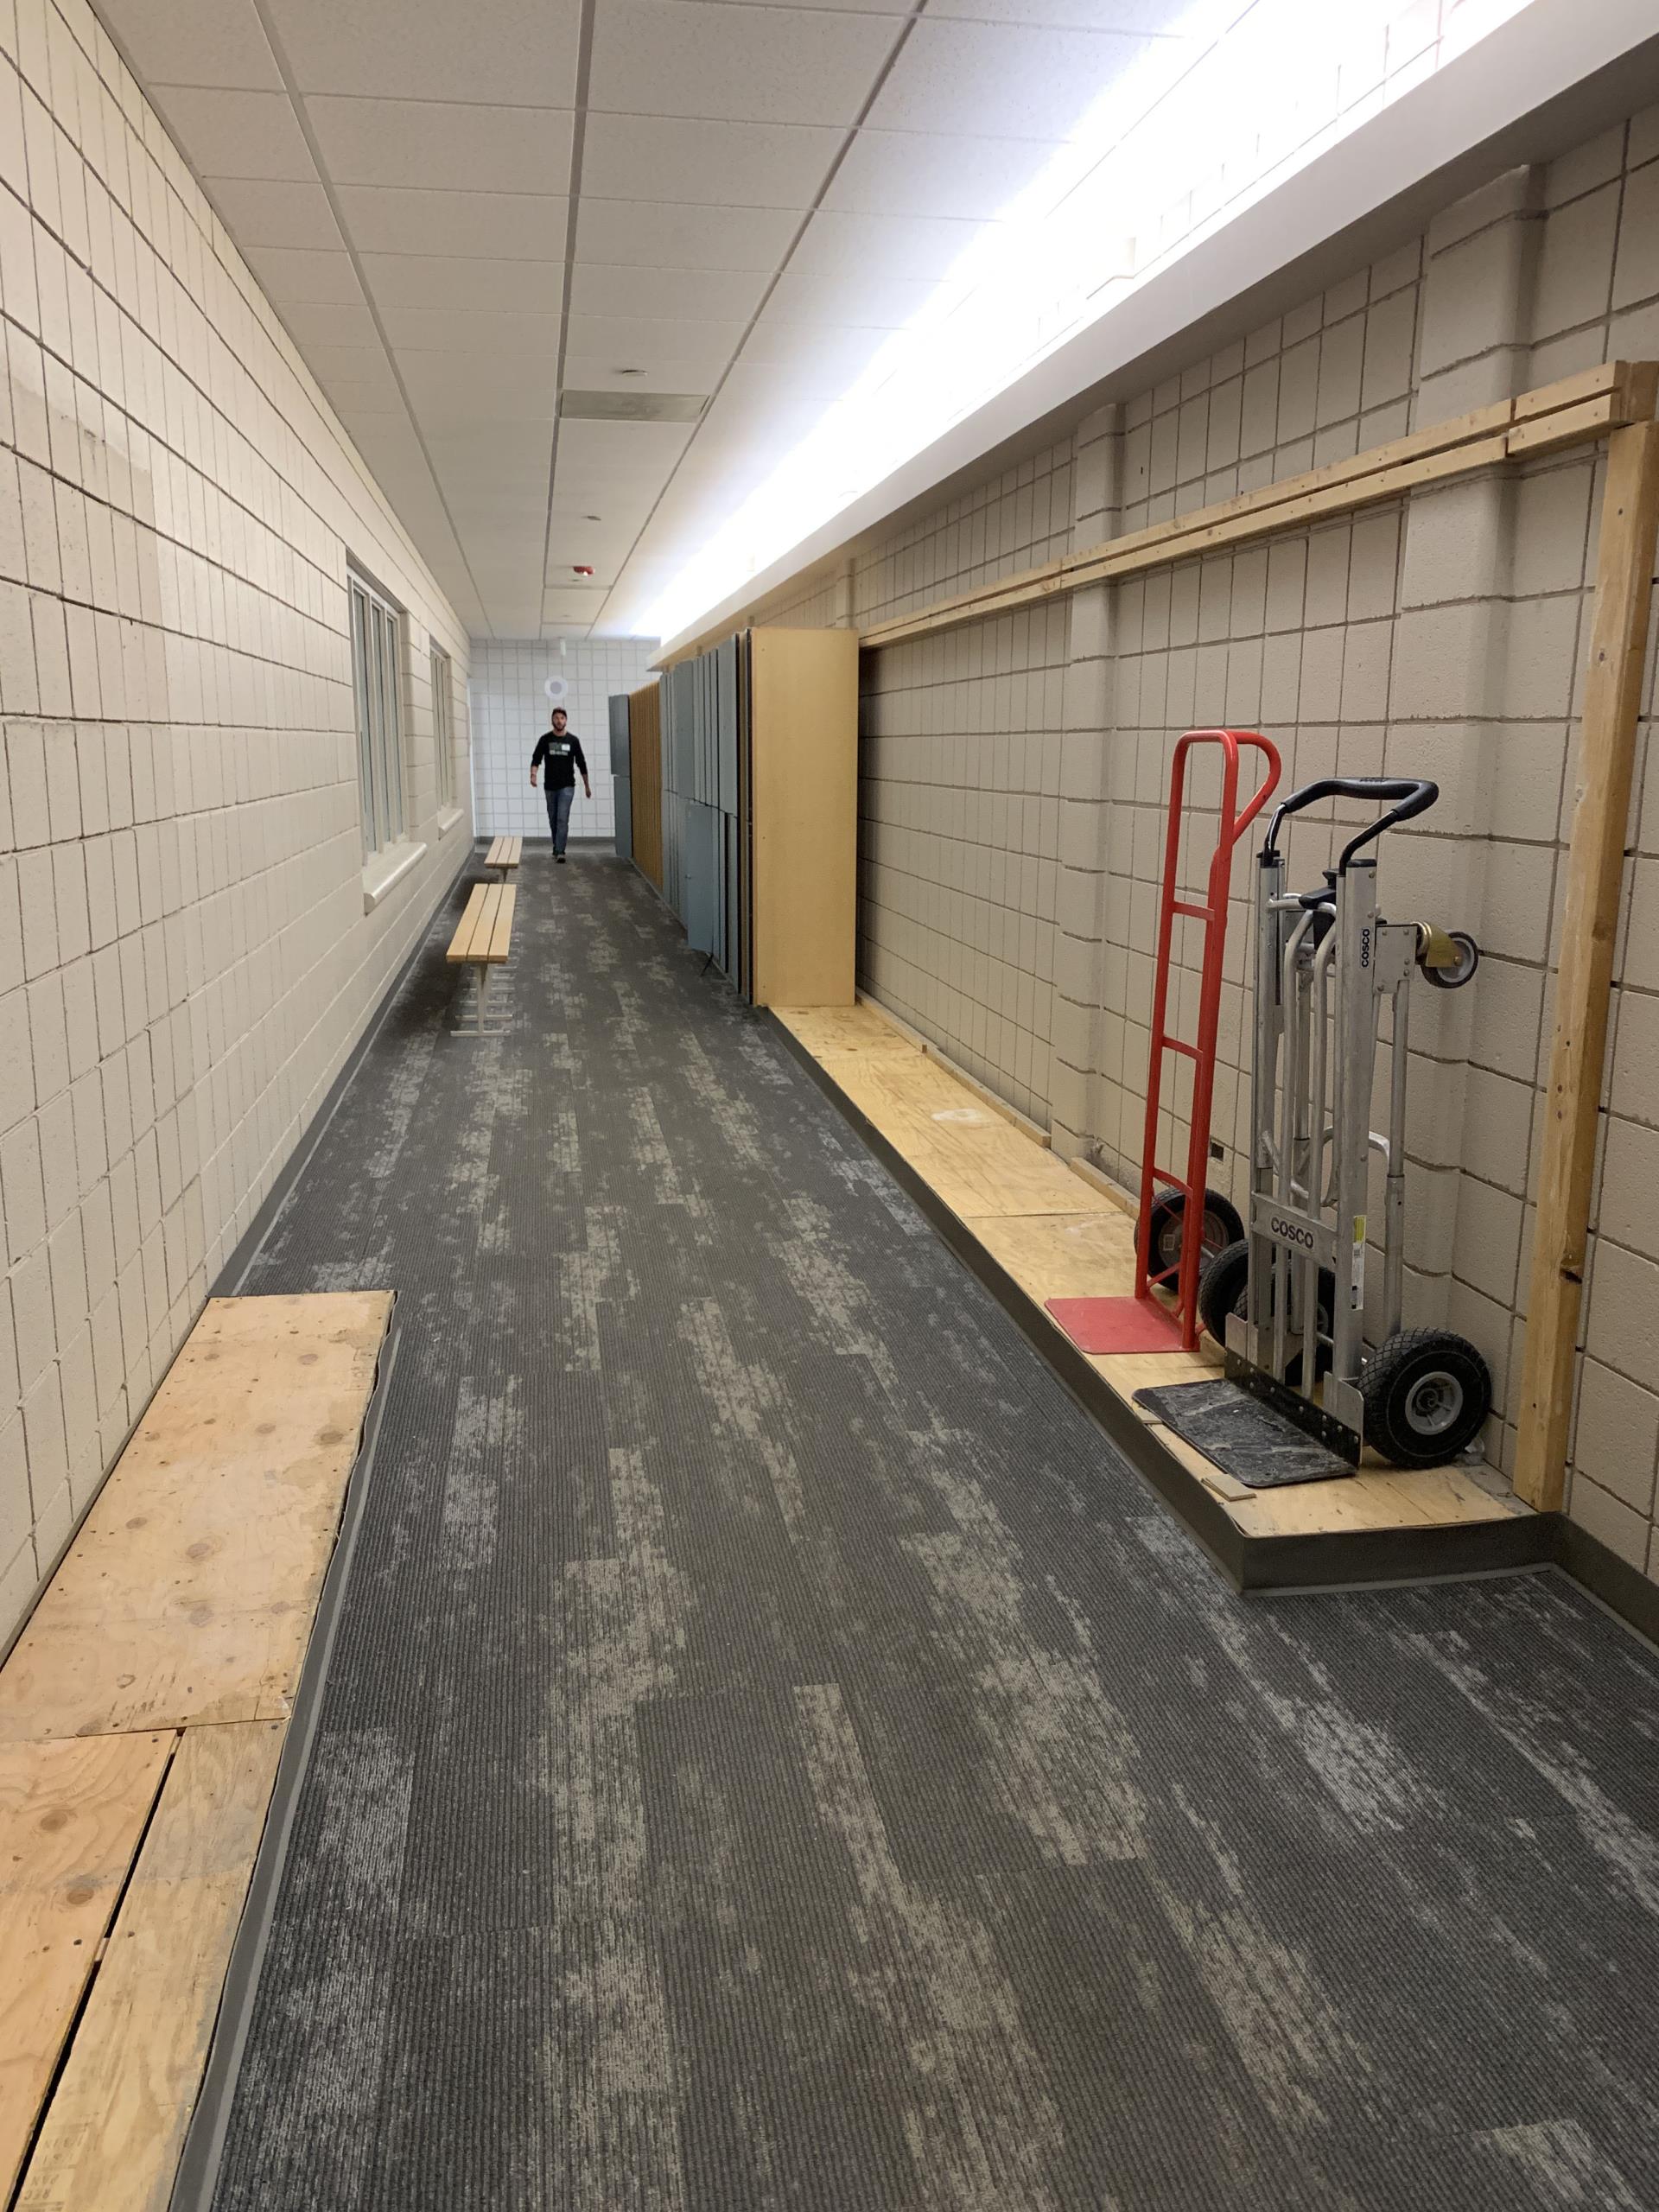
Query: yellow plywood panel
[(116, 2126), (188, 1594), (72, 1815), (978, 1162), (804, 793)]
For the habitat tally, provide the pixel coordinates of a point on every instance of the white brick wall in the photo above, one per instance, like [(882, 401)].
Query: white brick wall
[(510, 710), (185, 960)]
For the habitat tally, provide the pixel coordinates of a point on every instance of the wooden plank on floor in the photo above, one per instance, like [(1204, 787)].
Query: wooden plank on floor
[(1062, 1254), (116, 2122), (842, 1029), (188, 1594), (72, 1815), (500, 941), (462, 942), (976, 1162)]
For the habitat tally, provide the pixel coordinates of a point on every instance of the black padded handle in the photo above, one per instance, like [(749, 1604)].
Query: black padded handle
[(1410, 795)]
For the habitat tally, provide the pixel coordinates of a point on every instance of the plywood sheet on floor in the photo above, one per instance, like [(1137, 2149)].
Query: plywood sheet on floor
[(188, 1594), (114, 2130), (72, 1815), (978, 1162), (1059, 1237)]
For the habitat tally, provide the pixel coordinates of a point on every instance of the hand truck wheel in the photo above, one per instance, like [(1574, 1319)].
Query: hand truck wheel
[(1427, 1394), (1224, 1289), (1453, 979), (1222, 1227)]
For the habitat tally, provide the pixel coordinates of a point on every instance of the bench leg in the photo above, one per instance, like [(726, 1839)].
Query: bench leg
[(481, 1023)]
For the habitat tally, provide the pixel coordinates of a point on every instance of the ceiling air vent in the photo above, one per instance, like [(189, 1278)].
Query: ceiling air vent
[(632, 406)]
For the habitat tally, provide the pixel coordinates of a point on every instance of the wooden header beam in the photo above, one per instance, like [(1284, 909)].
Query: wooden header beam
[(1570, 412), (1595, 873)]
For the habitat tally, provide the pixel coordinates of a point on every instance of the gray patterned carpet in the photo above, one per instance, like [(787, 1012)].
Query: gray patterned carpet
[(776, 1756)]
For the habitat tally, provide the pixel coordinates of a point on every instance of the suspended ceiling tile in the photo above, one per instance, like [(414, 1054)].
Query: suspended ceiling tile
[(294, 273), (698, 295), (853, 300), (901, 173), (652, 234), (501, 226), (442, 145), (237, 134), (735, 64), (820, 359), (629, 341), (598, 373), (194, 42), (352, 365), (258, 211), (844, 246), (713, 165), (312, 323), (457, 281), (458, 330), (1045, 80), (431, 49), (1141, 18), (492, 381)]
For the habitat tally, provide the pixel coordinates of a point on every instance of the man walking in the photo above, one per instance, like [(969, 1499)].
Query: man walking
[(560, 748)]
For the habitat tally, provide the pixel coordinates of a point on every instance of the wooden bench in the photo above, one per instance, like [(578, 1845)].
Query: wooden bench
[(483, 938), (504, 854)]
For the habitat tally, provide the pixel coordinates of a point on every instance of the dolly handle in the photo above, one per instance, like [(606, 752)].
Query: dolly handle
[(1411, 797)]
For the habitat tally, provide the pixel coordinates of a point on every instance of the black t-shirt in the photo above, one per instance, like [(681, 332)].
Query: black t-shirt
[(564, 756)]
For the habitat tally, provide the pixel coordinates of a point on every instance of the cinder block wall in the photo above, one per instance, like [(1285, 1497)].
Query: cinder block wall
[(1443, 636), (510, 709), (185, 956)]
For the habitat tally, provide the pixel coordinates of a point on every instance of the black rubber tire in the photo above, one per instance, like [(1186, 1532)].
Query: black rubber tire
[(1419, 1378), (1222, 1227), (1222, 1289), (1455, 981), (1222, 1286)]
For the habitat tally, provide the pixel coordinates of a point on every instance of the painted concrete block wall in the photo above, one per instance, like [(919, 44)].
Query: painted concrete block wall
[(510, 709), (185, 954), (1443, 636)]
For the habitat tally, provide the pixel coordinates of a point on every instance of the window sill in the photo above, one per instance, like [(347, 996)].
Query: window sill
[(382, 871), (447, 820)]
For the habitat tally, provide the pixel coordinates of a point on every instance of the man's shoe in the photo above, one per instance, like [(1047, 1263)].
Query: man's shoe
[(560, 858)]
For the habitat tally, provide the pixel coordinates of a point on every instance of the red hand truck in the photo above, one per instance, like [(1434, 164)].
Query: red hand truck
[(1165, 1257)]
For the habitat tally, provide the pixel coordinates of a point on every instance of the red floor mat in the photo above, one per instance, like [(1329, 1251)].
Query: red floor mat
[(1105, 1324)]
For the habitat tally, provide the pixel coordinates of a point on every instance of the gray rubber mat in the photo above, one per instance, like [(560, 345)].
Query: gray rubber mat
[(776, 1756), (1241, 1435)]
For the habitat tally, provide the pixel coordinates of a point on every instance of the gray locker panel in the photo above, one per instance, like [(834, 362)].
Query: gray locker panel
[(726, 660), (700, 860), (622, 806), (683, 692), (619, 705)]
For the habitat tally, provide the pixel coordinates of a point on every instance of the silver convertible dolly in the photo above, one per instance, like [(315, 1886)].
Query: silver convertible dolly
[(1288, 1300)]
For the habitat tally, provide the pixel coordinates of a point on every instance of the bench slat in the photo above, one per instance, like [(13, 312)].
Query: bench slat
[(500, 938), (461, 943), (492, 858)]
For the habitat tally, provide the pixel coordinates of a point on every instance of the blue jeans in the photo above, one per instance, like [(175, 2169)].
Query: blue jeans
[(558, 814)]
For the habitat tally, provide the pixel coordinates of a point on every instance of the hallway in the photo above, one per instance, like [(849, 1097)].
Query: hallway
[(775, 1754)]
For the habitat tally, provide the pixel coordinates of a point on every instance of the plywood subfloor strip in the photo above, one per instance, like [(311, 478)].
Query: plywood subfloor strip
[(174, 1631), (1059, 1237), (188, 1594), (114, 2128), (72, 1815)]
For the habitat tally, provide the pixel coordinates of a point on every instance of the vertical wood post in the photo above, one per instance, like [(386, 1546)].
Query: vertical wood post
[(1618, 639)]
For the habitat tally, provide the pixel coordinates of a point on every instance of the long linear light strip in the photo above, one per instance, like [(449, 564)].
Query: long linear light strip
[(1244, 94)]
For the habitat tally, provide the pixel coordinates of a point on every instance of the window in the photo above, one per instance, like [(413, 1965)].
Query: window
[(443, 727), (376, 654)]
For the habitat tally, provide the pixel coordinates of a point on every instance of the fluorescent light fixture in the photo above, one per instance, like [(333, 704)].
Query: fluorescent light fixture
[(1241, 96)]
